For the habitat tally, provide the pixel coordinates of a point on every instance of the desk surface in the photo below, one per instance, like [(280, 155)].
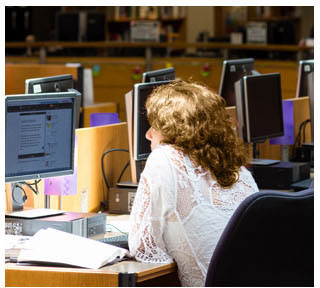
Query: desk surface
[(125, 273)]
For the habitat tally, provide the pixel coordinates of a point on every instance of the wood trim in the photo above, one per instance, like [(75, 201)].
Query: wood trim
[(113, 44), (40, 276), (156, 272), (30, 276)]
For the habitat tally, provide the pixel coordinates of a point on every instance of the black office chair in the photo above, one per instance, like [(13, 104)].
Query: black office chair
[(269, 241)]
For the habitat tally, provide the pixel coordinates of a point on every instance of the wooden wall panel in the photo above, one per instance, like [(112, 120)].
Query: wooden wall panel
[(288, 71), (109, 107), (16, 74), (92, 143)]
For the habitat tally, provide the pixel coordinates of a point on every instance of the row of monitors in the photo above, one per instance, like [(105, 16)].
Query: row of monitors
[(39, 131), (232, 71), (37, 153), (257, 98)]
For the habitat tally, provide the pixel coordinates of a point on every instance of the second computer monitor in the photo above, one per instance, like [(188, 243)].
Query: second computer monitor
[(141, 146), (305, 68), (159, 75), (232, 71), (259, 107), (53, 84), (58, 83)]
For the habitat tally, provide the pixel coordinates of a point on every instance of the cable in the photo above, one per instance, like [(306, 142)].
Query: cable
[(117, 229), (123, 170), (297, 142), (35, 191), (102, 166), (304, 130)]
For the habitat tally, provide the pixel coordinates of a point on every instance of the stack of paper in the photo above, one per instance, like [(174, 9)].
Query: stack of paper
[(58, 247)]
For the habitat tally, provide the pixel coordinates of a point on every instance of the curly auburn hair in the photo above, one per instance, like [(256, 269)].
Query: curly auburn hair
[(193, 119)]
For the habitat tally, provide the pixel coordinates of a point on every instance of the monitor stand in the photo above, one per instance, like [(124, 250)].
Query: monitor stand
[(258, 161), (16, 207), (263, 162)]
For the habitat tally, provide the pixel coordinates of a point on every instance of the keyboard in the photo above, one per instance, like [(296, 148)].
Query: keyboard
[(119, 241)]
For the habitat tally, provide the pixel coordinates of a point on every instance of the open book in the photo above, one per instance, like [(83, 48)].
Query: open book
[(58, 247)]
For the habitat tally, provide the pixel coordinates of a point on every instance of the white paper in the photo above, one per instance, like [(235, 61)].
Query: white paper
[(54, 246)]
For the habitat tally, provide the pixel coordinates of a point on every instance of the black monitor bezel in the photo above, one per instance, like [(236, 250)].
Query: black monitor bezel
[(29, 83), (300, 76), (136, 124), (249, 138), (225, 72), (47, 96), (160, 72)]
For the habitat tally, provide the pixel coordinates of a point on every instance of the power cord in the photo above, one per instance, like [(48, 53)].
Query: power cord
[(297, 142), (35, 183), (125, 233), (102, 166)]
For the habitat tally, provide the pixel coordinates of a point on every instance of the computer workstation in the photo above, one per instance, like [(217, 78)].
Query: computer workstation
[(39, 136), (122, 195), (260, 117), (123, 267)]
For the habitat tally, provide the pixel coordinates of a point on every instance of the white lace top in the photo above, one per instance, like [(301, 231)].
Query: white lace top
[(179, 213)]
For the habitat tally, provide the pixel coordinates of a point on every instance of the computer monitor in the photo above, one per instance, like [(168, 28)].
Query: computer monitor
[(259, 107), (159, 75), (138, 125), (305, 68), (39, 135), (57, 83), (140, 121), (232, 71)]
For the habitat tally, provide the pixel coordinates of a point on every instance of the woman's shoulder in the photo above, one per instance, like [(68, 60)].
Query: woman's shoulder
[(246, 177), (159, 156), (164, 150), (164, 156)]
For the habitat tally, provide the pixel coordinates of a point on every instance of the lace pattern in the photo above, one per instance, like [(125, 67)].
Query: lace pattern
[(180, 211)]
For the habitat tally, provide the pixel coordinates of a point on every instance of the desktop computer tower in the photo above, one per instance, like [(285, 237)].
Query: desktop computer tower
[(281, 175), (81, 224)]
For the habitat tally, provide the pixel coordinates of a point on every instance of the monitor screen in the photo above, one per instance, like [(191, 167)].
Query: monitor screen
[(304, 69), (58, 83), (39, 135), (232, 71), (159, 75), (259, 107), (141, 125)]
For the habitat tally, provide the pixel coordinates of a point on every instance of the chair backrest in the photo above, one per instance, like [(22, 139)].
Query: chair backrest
[(269, 241)]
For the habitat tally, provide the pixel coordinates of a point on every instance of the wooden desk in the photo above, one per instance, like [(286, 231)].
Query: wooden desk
[(126, 273)]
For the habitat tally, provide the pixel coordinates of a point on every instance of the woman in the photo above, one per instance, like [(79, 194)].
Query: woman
[(193, 180)]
